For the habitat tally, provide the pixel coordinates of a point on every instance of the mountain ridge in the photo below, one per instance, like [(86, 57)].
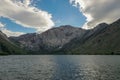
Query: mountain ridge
[(67, 39), (105, 42), (49, 40)]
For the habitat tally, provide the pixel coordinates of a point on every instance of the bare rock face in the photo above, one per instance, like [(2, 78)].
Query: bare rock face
[(26, 41), (50, 40)]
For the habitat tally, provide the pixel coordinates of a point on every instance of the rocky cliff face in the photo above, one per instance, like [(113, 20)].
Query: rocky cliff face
[(50, 40), (78, 41)]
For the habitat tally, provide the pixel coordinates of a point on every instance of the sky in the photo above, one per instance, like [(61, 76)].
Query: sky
[(19, 17)]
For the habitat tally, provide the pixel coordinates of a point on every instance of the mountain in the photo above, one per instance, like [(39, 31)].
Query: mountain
[(49, 41), (104, 40), (7, 47)]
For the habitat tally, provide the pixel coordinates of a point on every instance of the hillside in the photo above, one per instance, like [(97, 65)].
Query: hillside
[(7, 47), (105, 41)]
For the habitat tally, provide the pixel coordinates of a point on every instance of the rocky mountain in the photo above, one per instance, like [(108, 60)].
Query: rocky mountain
[(7, 47), (105, 40), (49, 41), (89, 33)]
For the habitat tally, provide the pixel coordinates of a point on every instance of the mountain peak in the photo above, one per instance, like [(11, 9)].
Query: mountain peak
[(66, 26), (102, 25), (117, 21)]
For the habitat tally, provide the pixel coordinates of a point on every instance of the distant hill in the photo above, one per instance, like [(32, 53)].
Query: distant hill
[(7, 47)]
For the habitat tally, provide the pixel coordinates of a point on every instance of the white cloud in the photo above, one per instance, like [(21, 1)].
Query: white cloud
[(1, 25), (9, 32), (98, 11), (23, 13)]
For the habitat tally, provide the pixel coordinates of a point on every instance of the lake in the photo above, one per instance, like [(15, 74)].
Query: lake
[(60, 67)]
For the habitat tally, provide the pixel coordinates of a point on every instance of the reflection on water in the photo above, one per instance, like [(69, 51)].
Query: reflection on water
[(59, 67)]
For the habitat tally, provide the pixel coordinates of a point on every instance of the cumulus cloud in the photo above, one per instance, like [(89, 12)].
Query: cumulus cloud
[(23, 13), (98, 11), (9, 32)]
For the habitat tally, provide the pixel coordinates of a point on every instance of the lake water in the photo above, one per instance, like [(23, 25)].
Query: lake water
[(59, 67)]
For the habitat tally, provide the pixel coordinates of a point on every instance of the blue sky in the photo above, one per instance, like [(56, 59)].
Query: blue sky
[(63, 13), (10, 25)]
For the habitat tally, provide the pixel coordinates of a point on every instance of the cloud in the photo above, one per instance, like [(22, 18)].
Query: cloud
[(98, 11), (9, 32), (1, 25), (23, 13)]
